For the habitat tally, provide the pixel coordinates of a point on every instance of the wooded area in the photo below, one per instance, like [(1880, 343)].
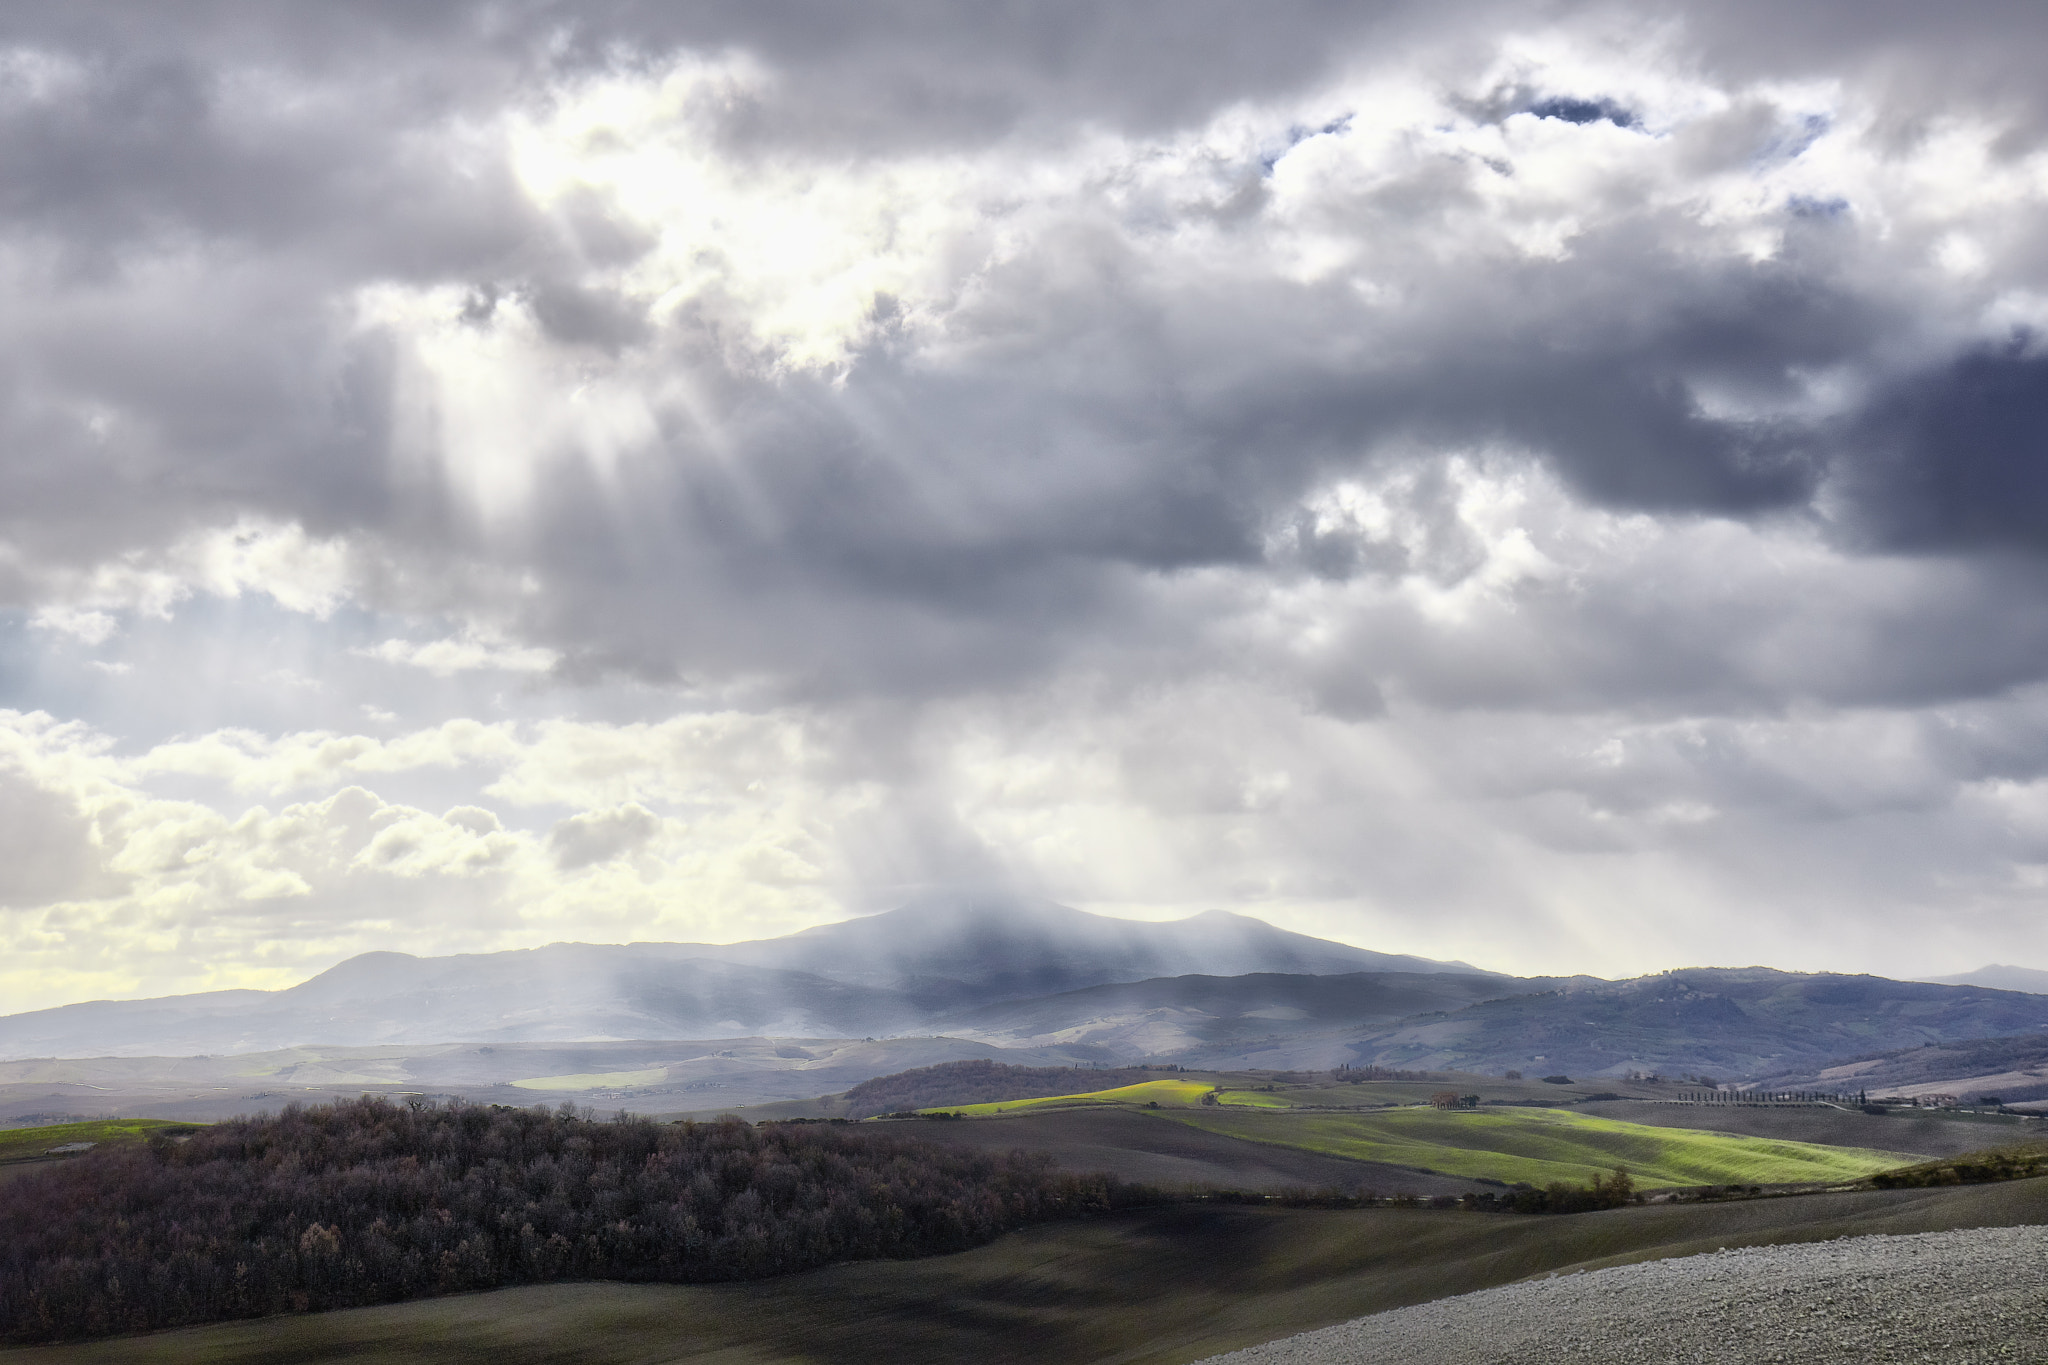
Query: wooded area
[(369, 1202)]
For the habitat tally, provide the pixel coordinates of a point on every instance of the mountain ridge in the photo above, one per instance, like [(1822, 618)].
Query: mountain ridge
[(1743, 1022), (876, 974)]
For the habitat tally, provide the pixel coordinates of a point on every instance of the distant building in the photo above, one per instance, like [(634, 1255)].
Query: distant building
[(1938, 1101)]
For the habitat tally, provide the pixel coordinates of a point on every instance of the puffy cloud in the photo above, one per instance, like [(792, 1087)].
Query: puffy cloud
[(468, 651), (600, 836)]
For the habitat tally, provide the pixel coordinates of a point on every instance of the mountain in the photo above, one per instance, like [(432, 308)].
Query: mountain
[(560, 992), (886, 973), (1259, 1020), (2000, 978), (1728, 1022), (957, 951)]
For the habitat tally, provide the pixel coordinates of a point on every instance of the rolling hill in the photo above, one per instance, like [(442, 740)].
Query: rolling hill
[(1153, 1287), (1539, 1146)]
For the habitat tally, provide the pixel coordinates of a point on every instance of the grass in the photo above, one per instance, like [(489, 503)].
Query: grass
[(595, 1080), (1254, 1099), (1165, 1094), (1155, 1287), (1541, 1146), (1133, 1145), (29, 1144)]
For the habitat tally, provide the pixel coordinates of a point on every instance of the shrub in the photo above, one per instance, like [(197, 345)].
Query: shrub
[(1604, 1192)]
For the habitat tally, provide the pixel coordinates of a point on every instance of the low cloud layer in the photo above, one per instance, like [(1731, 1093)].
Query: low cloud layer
[(1560, 489)]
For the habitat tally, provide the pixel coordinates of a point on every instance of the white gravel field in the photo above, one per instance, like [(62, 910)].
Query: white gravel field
[(1975, 1295)]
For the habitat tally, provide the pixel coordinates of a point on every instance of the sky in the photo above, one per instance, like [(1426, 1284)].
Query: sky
[(1560, 486)]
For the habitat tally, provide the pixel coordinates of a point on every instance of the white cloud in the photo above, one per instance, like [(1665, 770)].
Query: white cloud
[(464, 653), (600, 836), (298, 572), (87, 627)]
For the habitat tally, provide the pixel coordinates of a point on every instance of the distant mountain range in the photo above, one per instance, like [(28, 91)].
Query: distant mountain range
[(904, 970), (1732, 1023), (1216, 990)]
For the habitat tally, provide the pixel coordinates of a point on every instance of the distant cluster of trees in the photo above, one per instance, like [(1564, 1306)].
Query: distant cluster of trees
[(1973, 1168), (368, 1202), (983, 1082), (1610, 1191), (1354, 1074)]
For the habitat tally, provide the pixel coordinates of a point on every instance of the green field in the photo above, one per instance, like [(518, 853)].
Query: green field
[(1541, 1146), (1254, 1099), (1177, 1094), (29, 1144), (1165, 1094)]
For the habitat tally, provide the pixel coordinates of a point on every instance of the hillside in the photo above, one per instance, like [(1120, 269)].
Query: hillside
[(1514, 1132), (1162, 1286), (2014, 1069), (1261, 1019), (1542, 1146), (975, 1082), (663, 1076), (1729, 1022)]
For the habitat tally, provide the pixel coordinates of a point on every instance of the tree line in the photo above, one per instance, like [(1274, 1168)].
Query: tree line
[(369, 1202)]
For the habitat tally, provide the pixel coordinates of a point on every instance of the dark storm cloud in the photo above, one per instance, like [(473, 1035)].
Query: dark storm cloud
[(201, 186), (1957, 457)]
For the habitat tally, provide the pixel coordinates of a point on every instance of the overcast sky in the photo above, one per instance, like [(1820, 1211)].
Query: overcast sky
[(1559, 486)]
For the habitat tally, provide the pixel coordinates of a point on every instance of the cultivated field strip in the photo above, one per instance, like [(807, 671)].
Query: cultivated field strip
[(1545, 1145), (1974, 1295)]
